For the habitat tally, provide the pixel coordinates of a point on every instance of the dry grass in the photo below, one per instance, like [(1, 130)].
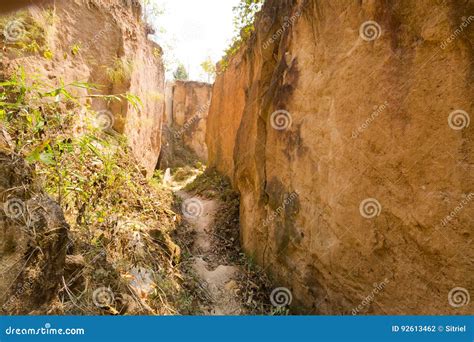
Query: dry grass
[(120, 222)]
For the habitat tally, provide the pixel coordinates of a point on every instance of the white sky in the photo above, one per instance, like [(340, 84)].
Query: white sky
[(194, 30)]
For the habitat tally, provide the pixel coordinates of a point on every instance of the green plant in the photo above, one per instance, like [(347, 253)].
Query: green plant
[(23, 34), (121, 70), (158, 53), (244, 16), (152, 11), (209, 68), (48, 54), (158, 177), (181, 74), (95, 179), (75, 49), (183, 173), (283, 311)]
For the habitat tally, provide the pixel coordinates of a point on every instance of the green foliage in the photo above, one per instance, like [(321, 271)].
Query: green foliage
[(152, 10), (75, 49), (244, 16), (48, 54), (181, 74), (183, 173), (40, 116), (158, 53), (29, 36), (121, 71), (283, 311), (211, 179), (209, 68), (54, 130), (94, 177), (152, 15)]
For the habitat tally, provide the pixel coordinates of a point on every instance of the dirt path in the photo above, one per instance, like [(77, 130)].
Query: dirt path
[(219, 280)]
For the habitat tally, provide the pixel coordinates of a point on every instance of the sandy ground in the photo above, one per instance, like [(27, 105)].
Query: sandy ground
[(218, 280)]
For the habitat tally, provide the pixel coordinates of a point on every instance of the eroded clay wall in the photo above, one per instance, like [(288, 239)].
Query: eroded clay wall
[(345, 128), (103, 43), (190, 103)]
